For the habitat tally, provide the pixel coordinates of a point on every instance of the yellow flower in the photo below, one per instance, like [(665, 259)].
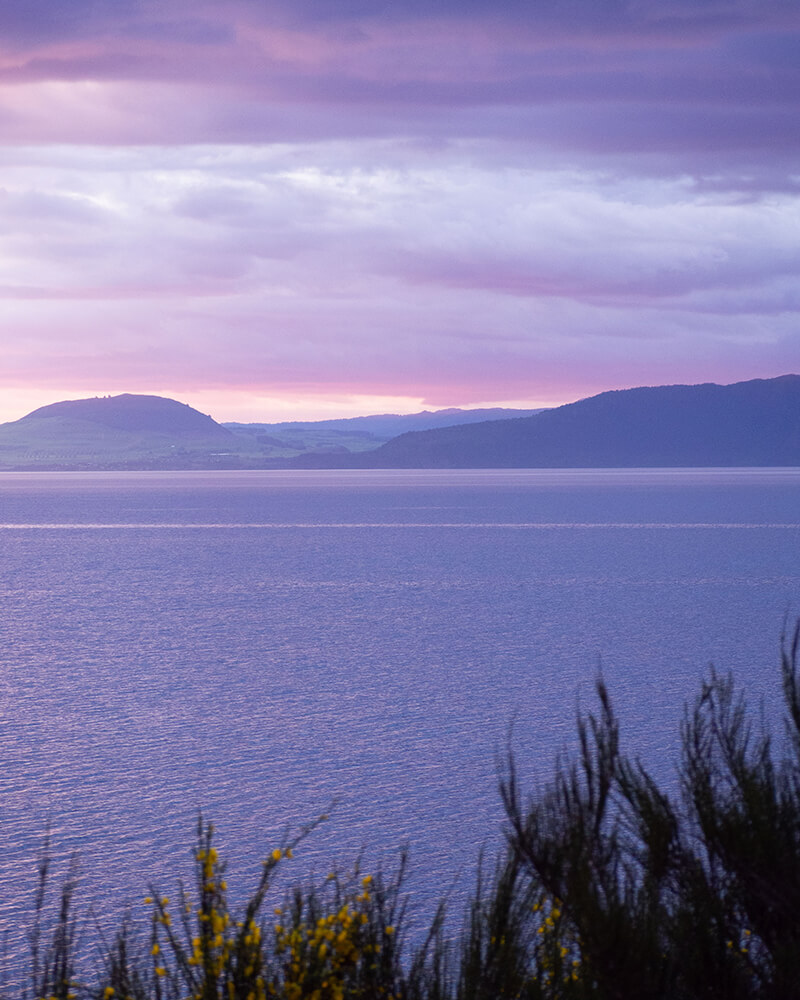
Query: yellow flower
[(155, 949), (276, 854), (389, 930), (108, 992)]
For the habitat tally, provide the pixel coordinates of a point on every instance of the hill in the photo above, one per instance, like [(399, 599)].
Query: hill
[(154, 432), (359, 433), (753, 423), (134, 413), (111, 432)]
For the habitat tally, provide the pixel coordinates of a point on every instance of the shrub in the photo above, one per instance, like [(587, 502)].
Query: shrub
[(670, 897)]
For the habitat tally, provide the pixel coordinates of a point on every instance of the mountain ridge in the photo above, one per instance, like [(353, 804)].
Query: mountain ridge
[(750, 423), (366, 432)]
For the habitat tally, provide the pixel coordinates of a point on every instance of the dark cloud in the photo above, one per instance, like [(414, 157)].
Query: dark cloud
[(671, 18), (588, 77), (38, 21)]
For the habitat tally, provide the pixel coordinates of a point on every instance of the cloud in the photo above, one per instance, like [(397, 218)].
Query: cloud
[(458, 202), (600, 76), (266, 269)]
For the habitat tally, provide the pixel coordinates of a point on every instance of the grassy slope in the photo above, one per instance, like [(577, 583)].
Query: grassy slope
[(50, 442)]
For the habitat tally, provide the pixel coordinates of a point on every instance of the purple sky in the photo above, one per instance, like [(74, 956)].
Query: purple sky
[(302, 208)]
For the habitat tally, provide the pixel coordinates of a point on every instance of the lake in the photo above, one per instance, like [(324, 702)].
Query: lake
[(259, 644)]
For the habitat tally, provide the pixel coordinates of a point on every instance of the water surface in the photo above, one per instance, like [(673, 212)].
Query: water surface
[(257, 644)]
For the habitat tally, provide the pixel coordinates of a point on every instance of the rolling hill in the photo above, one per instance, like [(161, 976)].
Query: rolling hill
[(126, 431), (154, 432), (134, 414), (359, 433), (753, 423)]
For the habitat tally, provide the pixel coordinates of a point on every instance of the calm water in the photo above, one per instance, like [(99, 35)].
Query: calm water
[(258, 644)]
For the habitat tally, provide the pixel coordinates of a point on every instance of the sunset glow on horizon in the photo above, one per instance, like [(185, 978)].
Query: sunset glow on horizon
[(305, 210)]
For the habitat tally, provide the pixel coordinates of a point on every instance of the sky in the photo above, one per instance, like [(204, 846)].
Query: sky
[(297, 209)]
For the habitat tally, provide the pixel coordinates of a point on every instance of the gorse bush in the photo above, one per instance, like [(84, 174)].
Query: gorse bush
[(698, 897), (610, 887), (321, 944)]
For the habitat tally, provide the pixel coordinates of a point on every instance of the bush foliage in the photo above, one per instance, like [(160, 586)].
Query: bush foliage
[(610, 887)]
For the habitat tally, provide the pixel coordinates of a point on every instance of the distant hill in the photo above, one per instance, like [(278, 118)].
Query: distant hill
[(116, 432), (754, 423), (362, 433), (134, 413), (154, 432)]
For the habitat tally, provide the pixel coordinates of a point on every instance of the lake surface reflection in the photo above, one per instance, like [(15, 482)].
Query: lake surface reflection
[(259, 644)]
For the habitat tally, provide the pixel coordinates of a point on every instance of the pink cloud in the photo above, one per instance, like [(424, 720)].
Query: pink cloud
[(515, 201)]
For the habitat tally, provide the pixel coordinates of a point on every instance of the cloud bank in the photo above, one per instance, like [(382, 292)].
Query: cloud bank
[(292, 207)]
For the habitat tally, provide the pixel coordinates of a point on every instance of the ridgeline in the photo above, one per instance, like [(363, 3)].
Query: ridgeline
[(753, 423)]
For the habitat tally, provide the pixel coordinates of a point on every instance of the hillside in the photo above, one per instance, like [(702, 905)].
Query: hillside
[(154, 432), (133, 413), (359, 433), (109, 432), (754, 423)]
